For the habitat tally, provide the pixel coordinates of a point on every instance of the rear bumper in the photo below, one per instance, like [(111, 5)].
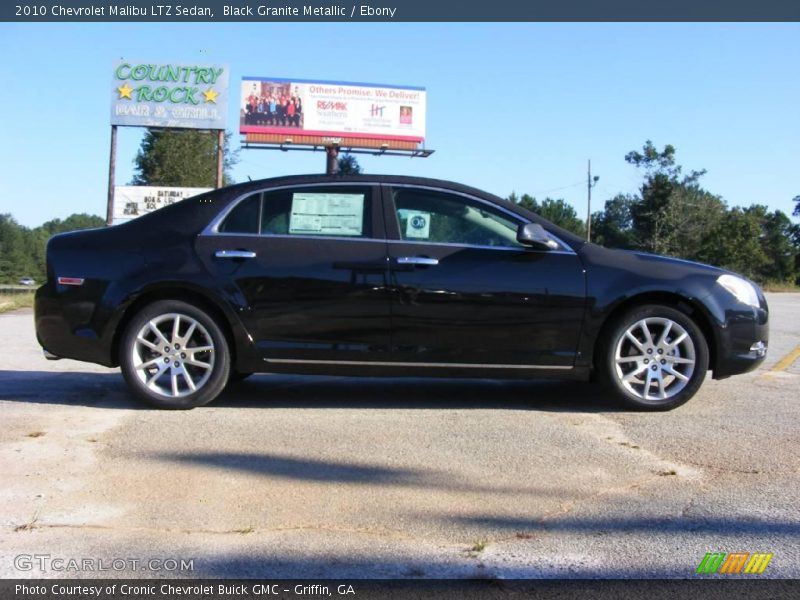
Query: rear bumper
[(67, 326)]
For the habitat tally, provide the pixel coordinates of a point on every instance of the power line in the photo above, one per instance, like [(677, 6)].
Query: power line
[(559, 188)]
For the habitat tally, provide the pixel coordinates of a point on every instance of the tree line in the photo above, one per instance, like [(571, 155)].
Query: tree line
[(22, 249), (673, 215)]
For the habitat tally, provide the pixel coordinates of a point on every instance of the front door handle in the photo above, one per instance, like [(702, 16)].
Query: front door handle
[(235, 254), (417, 260)]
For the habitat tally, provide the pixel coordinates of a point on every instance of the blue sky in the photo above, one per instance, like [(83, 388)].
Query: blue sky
[(511, 107)]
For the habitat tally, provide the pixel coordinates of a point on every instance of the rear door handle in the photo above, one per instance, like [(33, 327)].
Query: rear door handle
[(235, 254), (417, 260)]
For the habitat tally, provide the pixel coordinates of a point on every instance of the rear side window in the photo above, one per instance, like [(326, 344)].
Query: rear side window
[(243, 218), (330, 212)]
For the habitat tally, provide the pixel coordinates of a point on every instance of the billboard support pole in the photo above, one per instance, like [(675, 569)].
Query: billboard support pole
[(220, 157), (332, 160), (112, 161)]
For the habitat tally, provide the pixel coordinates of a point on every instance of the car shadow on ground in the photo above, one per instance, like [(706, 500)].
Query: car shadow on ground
[(108, 390)]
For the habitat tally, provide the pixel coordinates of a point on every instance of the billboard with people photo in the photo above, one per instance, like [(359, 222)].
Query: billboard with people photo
[(336, 109)]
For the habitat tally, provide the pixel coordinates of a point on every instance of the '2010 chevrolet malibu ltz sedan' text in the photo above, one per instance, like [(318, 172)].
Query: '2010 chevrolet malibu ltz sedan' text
[(385, 276)]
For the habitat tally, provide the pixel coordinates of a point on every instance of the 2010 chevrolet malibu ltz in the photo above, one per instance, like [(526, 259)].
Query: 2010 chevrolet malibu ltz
[(385, 276)]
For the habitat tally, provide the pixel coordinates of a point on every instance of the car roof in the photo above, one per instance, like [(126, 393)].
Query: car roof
[(361, 178)]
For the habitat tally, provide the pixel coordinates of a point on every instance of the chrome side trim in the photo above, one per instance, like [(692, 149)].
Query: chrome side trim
[(294, 361)]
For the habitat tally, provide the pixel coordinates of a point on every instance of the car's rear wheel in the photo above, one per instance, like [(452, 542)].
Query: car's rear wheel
[(174, 355), (654, 358)]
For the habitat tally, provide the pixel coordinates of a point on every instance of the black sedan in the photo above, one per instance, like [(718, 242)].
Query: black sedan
[(385, 276)]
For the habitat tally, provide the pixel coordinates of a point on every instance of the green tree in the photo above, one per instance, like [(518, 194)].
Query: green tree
[(668, 202), (182, 158), (348, 165), (613, 226), (23, 250), (558, 212), (777, 243), (735, 243), (15, 258)]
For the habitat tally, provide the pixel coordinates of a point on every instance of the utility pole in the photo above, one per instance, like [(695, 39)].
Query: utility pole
[(332, 160), (590, 183)]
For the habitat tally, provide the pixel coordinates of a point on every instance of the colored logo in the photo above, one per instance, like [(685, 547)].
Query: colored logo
[(376, 111), (734, 563), (418, 222)]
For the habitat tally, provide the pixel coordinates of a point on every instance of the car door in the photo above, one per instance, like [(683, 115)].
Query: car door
[(465, 292), (310, 266)]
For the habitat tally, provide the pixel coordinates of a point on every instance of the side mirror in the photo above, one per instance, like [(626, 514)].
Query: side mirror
[(534, 235)]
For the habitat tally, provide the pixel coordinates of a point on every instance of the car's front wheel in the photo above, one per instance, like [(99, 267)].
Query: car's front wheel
[(654, 358), (174, 355)]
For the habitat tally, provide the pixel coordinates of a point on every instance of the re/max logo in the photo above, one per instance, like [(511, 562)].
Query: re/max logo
[(734, 563)]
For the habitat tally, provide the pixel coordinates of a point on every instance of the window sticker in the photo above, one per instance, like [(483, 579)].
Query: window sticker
[(327, 214), (418, 224)]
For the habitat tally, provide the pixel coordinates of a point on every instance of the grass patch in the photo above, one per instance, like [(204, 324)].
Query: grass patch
[(478, 547), (30, 524), (780, 287), (9, 302)]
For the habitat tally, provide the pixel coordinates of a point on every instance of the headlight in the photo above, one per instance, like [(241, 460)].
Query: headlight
[(743, 290)]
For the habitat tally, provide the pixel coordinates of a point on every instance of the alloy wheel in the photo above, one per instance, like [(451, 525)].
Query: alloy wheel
[(173, 355), (654, 359)]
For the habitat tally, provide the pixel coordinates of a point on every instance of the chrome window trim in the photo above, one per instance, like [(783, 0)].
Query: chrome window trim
[(383, 241), (414, 364), (289, 236), (212, 227), (564, 247), (480, 247)]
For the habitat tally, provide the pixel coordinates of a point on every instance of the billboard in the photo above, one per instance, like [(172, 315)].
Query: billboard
[(331, 109), (131, 201), (183, 95)]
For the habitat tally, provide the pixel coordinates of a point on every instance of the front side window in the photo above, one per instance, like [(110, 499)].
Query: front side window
[(440, 217), (315, 211)]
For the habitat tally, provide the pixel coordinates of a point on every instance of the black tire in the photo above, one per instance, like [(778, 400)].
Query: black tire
[(645, 374), (147, 359)]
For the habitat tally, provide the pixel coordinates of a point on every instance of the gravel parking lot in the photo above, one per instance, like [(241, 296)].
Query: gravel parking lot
[(289, 476)]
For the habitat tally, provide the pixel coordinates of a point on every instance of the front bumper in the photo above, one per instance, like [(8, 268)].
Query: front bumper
[(742, 338)]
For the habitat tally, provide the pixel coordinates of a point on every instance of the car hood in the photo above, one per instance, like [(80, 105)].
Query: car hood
[(659, 261), (645, 263), (626, 273)]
